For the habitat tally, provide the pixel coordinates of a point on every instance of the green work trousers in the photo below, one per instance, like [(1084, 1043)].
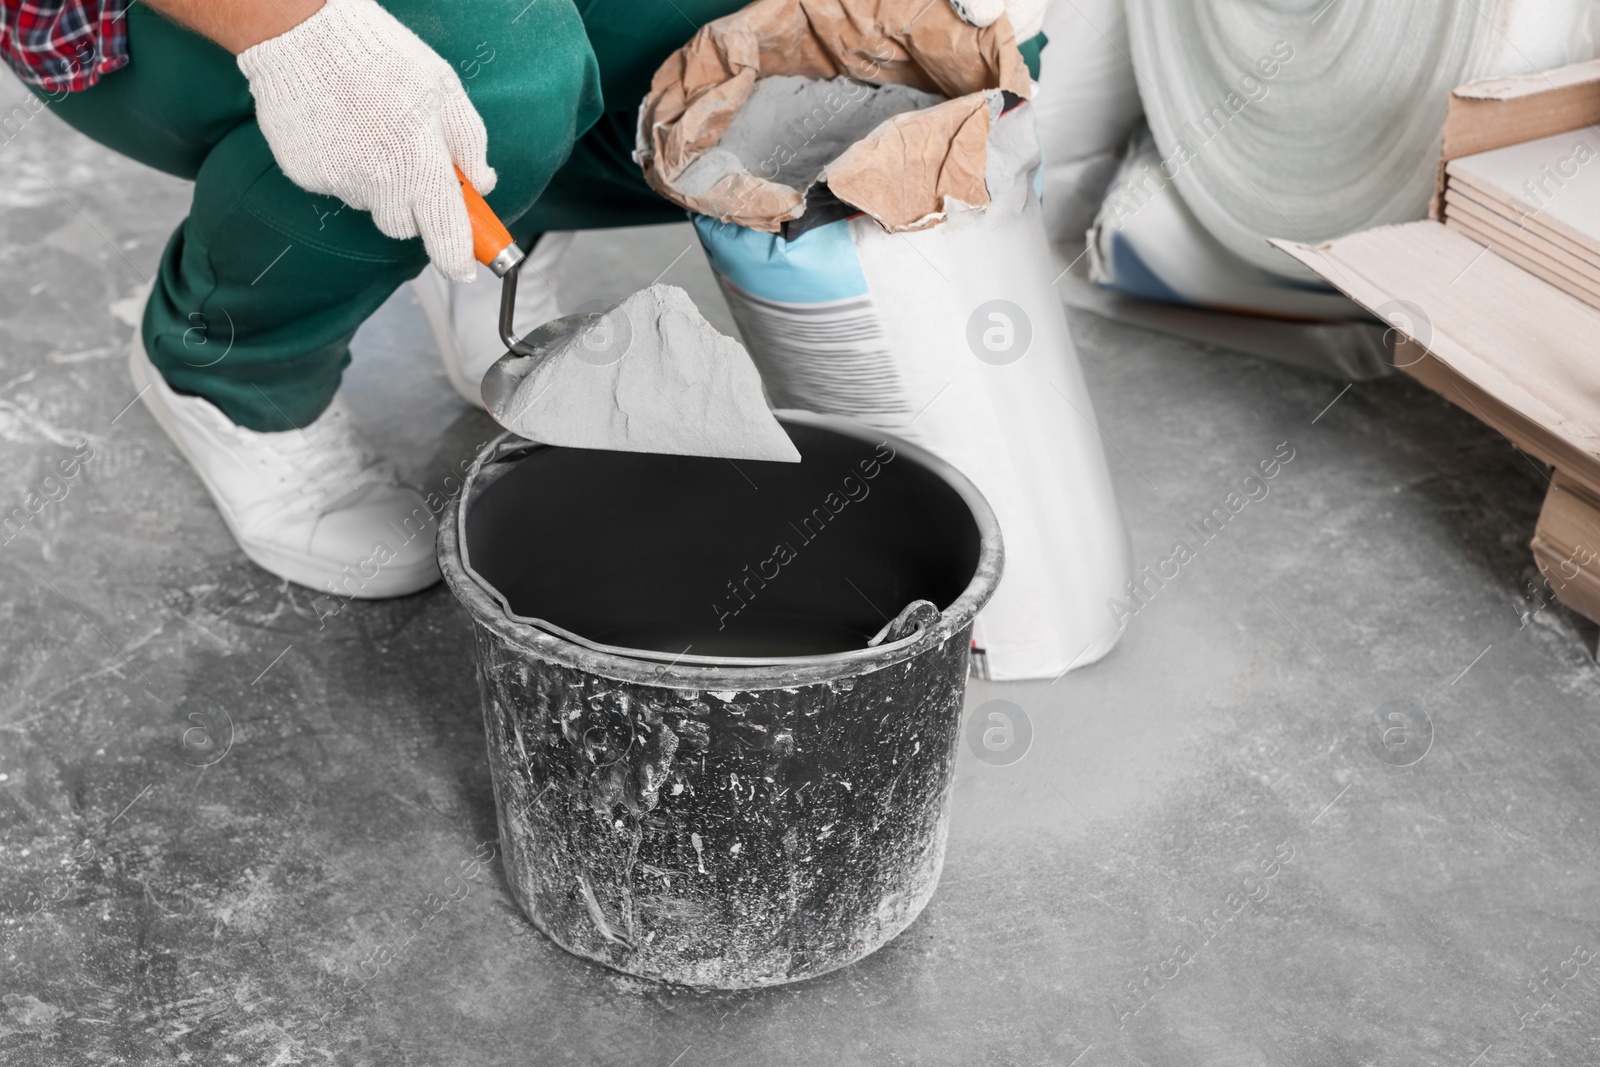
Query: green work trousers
[(262, 287)]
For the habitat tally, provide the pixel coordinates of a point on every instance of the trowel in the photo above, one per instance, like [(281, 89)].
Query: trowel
[(648, 374)]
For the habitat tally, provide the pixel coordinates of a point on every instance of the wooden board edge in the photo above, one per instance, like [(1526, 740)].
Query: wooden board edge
[(1571, 569)]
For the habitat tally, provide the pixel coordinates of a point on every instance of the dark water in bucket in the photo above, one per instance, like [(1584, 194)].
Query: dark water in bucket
[(773, 803), (682, 553)]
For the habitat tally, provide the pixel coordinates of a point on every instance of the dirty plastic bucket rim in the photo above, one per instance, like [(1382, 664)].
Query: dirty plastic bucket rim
[(508, 444), (654, 655), (718, 672)]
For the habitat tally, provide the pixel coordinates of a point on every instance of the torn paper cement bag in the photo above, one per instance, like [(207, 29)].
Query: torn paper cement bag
[(903, 279)]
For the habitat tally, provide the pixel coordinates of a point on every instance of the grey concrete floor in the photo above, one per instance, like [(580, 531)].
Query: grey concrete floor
[(1211, 783)]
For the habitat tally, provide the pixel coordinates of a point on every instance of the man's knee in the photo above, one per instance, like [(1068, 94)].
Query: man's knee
[(536, 84)]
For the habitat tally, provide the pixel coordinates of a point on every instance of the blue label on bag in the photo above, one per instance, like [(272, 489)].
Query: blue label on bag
[(818, 266)]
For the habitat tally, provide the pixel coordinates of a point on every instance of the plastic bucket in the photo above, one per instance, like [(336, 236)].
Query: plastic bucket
[(705, 772)]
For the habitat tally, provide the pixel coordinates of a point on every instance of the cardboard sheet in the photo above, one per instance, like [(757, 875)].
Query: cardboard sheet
[(1470, 201), (1555, 178), (1531, 259), (1526, 344), (1494, 112), (1491, 112), (903, 172)]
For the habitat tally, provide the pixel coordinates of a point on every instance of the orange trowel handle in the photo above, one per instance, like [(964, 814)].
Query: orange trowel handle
[(491, 241)]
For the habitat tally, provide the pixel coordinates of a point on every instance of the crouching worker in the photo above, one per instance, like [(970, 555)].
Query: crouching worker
[(322, 138)]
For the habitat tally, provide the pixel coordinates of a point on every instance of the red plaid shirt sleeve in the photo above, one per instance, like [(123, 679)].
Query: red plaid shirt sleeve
[(64, 45)]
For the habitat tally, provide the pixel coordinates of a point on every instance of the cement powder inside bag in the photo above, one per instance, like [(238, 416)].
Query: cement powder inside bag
[(791, 128)]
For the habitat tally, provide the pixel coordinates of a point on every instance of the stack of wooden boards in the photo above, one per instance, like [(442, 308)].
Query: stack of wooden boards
[(1537, 204), (1496, 298)]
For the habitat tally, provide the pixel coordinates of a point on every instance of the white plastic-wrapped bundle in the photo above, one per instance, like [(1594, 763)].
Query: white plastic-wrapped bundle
[(1086, 105), (1157, 266), (896, 270), (1148, 243), (1309, 121)]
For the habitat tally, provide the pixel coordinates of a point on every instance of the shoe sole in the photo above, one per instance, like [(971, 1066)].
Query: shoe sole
[(302, 570)]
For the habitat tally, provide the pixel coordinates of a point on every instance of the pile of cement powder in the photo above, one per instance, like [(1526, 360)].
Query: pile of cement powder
[(791, 128), (663, 381)]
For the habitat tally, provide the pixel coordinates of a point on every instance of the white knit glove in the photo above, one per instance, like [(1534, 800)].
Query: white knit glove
[(356, 106), (1027, 16)]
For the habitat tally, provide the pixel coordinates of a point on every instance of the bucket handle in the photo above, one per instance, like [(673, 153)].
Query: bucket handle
[(915, 617)]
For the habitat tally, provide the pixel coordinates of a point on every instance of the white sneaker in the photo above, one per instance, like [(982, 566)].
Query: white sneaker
[(465, 319), (316, 506)]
